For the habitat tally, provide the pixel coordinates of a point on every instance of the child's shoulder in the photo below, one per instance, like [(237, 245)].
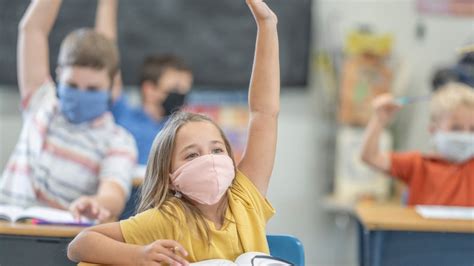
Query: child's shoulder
[(44, 95)]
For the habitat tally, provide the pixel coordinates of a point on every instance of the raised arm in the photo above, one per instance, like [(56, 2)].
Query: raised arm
[(106, 23), (106, 18), (33, 50), (384, 109), (264, 99)]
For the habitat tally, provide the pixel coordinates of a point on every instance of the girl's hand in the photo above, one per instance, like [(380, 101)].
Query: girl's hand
[(89, 207), (385, 108), (163, 251), (261, 12)]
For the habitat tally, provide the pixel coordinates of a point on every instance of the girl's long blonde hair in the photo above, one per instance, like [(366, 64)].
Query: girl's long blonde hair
[(156, 191)]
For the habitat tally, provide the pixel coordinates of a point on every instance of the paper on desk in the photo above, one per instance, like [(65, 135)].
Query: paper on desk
[(445, 212)]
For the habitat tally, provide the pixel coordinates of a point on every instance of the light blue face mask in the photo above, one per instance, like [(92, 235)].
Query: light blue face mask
[(455, 146), (82, 106)]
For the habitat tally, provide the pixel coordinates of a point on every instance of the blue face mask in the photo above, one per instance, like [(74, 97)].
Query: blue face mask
[(81, 106)]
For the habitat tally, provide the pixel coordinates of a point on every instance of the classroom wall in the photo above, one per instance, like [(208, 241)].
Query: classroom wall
[(303, 169), (416, 57), (306, 142)]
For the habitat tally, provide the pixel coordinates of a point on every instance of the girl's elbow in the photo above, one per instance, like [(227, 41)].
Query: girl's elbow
[(72, 252), (73, 249)]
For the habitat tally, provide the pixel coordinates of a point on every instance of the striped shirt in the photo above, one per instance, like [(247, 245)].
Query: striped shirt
[(60, 161)]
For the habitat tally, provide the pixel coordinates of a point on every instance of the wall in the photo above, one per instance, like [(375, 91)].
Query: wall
[(419, 57)]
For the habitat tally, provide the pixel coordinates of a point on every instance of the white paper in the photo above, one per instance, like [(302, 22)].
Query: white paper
[(445, 212)]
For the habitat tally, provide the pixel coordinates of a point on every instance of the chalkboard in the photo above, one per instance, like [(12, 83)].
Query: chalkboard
[(215, 37)]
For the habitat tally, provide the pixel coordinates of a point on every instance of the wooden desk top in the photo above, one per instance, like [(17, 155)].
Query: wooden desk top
[(39, 230), (394, 217)]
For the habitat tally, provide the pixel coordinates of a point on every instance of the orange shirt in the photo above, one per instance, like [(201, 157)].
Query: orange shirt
[(434, 181)]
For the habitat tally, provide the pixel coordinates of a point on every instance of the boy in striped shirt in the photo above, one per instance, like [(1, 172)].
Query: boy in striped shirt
[(70, 154)]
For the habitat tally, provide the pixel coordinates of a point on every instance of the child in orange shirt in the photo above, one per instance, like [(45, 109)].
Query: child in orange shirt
[(445, 177)]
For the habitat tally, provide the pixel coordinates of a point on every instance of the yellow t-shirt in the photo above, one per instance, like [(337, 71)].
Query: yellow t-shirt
[(242, 231)]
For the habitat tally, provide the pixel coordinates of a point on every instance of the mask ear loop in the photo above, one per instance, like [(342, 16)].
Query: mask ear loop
[(177, 194)]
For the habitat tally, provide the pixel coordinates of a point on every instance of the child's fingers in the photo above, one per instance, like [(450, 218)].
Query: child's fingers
[(94, 207), (103, 215), (160, 257), (73, 209), (171, 244), (172, 254)]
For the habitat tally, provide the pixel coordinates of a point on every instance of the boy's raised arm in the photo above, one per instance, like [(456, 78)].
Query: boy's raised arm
[(385, 108), (264, 99), (106, 18), (106, 23), (33, 50)]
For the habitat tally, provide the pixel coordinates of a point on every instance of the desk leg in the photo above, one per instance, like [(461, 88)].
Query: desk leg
[(371, 247), (377, 248), (366, 247), (361, 241)]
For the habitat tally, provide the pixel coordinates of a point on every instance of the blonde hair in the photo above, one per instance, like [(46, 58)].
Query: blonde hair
[(449, 97), (156, 191), (88, 48)]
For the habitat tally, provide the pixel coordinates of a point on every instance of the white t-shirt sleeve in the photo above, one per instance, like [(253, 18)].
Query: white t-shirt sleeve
[(43, 97), (120, 160)]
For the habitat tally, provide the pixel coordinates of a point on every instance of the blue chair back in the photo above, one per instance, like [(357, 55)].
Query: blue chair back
[(286, 247)]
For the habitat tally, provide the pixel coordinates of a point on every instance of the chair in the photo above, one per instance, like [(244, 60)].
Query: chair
[(286, 247)]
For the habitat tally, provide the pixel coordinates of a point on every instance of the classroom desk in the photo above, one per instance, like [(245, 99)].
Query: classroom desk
[(393, 235), (24, 244)]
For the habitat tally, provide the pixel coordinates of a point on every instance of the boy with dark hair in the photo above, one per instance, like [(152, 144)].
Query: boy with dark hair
[(164, 82)]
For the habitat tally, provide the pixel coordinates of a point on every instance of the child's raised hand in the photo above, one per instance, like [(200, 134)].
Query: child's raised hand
[(168, 252), (385, 107), (261, 12)]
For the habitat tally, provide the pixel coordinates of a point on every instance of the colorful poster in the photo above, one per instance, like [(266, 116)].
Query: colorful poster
[(464, 8), (230, 112)]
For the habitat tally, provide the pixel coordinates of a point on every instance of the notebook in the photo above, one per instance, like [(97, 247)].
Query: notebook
[(41, 215), (249, 258), (445, 212)]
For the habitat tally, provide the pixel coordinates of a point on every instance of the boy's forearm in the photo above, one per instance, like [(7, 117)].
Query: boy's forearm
[(106, 24), (113, 203), (90, 246), (106, 18), (111, 197), (264, 95), (371, 153), (40, 16)]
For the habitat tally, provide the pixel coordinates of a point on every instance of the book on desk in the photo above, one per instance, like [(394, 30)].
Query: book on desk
[(248, 258), (40, 215)]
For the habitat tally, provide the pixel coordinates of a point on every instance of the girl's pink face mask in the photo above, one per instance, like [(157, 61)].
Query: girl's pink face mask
[(204, 179)]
